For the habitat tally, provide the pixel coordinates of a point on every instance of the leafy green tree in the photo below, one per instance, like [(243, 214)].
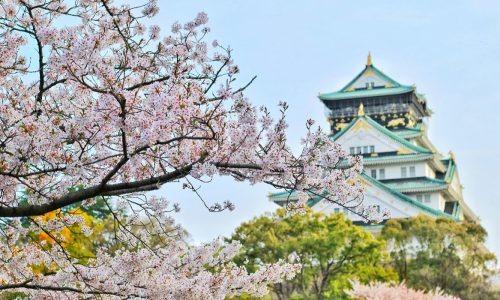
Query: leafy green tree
[(429, 253), (331, 249)]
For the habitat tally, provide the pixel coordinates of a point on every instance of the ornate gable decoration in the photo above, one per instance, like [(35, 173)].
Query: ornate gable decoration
[(375, 134)]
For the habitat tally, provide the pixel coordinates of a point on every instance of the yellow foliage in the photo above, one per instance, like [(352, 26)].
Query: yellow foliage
[(70, 238)]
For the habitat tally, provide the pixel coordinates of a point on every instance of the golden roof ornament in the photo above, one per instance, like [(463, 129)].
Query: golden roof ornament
[(452, 155), (361, 110), (369, 59)]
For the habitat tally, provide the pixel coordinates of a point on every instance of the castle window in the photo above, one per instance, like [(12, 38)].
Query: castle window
[(362, 150), (374, 173), (412, 171), (427, 198), (372, 84), (336, 210), (367, 85), (419, 198), (377, 208), (381, 173), (403, 172), (449, 207)]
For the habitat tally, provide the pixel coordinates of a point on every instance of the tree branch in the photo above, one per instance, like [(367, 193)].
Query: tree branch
[(117, 189)]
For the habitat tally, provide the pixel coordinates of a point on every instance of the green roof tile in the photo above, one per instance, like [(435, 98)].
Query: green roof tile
[(415, 185), (365, 93), (450, 169), (399, 158), (407, 133)]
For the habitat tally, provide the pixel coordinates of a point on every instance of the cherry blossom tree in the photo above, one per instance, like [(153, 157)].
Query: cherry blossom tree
[(95, 104), (384, 291)]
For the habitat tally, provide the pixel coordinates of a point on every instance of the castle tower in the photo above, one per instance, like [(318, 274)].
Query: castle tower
[(382, 120), (390, 103)]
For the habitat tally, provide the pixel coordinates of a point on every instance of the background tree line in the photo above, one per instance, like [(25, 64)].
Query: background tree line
[(421, 252)]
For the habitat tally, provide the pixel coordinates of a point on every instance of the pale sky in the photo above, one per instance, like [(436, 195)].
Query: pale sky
[(449, 49)]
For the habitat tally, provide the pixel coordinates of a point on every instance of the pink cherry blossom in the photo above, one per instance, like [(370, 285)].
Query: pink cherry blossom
[(386, 291)]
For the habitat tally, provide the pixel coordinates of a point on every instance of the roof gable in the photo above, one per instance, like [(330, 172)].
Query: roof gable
[(370, 128), (370, 77), (376, 193), (406, 199), (371, 82)]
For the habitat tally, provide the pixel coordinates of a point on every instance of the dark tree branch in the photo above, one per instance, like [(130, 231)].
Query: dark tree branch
[(91, 192)]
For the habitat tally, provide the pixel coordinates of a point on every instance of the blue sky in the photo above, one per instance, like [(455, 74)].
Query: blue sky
[(449, 49)]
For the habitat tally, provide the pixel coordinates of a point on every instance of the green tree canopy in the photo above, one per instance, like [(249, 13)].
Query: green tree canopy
[(429, 253), (331, 249)]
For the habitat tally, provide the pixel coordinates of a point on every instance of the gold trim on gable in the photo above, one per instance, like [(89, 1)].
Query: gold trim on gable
[(369, 72), (360, 125), (404, 151)]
